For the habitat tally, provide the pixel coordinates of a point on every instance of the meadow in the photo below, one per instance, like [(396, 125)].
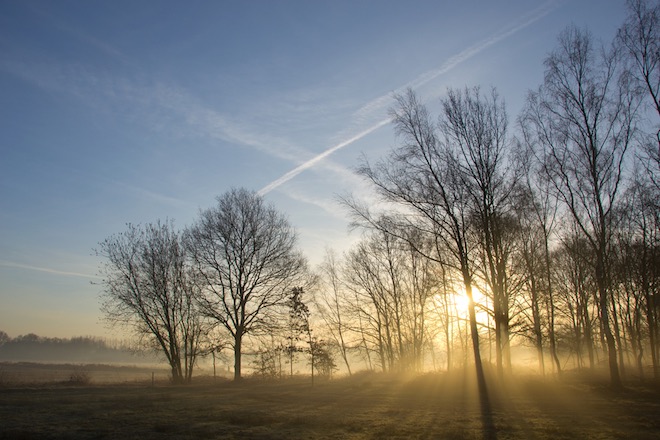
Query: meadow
[(364, 406)]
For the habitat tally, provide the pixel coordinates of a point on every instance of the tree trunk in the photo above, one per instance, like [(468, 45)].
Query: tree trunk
[(498, 339), (551, 303), (551, 334), (615, 378), (536, 316), (617, 338), (484, 399), (447, 329), (238, 340), (342, 343), (588, 333), (474, 331), (651, 322)]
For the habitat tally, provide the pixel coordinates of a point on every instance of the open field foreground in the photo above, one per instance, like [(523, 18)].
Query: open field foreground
[(433, 406)]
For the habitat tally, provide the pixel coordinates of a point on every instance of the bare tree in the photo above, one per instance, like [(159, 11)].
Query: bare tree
[(372, 271), (629, 296), (541, 212), (475, 131), (331, 304), (529, 258), (395, 282), (639, 245), (443, 319), (420, 283), (147, 287), (245, 253), (639, 37), (582, 116), (575, 281), (422, 178)]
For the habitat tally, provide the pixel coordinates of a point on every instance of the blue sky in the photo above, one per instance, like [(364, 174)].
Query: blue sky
[(132, 111)]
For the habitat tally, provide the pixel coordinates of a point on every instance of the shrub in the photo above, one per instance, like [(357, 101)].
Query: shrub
[(79, 377)]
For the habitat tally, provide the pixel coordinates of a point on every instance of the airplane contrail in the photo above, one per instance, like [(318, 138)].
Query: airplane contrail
[(11, 264), (448, 65), (310, 163)]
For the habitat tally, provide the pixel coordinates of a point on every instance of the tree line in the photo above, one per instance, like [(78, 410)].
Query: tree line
[(32, 347), (543, 233), (543, 221)]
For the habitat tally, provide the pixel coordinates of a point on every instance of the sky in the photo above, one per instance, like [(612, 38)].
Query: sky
[(127, 111)]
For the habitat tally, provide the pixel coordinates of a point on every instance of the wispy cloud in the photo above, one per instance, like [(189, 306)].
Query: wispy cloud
[(381, 103), (13, 265), (78, 34), (156, 104), (325, 204), (146, 194)]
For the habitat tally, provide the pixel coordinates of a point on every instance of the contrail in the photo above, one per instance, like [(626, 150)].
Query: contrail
[(11, 264), (313, 161), (448, 65)]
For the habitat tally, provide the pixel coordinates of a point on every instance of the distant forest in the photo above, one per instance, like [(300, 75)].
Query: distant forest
[(83, 349)]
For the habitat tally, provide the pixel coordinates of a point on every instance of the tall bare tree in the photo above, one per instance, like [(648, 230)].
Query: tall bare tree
[(541, 211), (244, 251), (583, 118), (331, 305), (639, 245), (475, 134), (639, 37), (147, 286), (575, 287), (422, 178), (373, 271), (420, 284), (442, 317), (395, 283), (529, 259)]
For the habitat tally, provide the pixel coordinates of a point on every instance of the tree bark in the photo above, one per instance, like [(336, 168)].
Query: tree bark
[(238, 341)]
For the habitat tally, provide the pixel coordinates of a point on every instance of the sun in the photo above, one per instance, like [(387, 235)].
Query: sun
[(461, 303), (458, 303)]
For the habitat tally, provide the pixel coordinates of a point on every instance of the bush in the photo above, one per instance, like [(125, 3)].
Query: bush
[(79, 377)]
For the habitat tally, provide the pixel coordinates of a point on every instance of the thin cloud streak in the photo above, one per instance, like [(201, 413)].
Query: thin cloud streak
[(78, 34), (150, 195), (316, 159), (12, 265), (160, 106), (423, 79)]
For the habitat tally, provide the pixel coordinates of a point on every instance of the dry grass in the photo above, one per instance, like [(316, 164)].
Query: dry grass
[(433, 406), (31, 373)]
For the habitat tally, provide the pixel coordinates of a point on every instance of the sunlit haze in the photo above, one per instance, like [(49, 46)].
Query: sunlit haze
[(128, 112)]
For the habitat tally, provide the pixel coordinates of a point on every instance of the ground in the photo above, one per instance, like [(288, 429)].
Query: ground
[(365, 406)]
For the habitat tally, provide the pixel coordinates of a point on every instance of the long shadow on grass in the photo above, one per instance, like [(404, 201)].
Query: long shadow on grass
[(487, 423)]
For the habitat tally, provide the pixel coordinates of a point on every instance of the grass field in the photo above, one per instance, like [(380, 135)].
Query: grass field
[(14, 374), (431, 406)]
